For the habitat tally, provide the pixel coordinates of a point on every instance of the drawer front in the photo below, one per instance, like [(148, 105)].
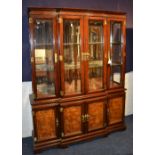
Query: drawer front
[(45, 123), (116, 107)]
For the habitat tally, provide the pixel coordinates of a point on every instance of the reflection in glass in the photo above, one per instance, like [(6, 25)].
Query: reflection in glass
[(116, 54), (116, 32), (116, 43), (71, 46), (95, 55), (44, 58), (115, 76)]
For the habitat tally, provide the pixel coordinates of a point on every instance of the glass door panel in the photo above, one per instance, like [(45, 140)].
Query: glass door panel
[(44, 61), (116, 61), (95, 63), (115, 76), (116, 28), (116, 42), (72, 56)]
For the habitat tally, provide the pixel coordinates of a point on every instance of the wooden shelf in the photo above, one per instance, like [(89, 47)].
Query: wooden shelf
[(68, 44)]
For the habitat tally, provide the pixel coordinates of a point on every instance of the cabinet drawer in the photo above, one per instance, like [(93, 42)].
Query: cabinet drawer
[(116, 107)]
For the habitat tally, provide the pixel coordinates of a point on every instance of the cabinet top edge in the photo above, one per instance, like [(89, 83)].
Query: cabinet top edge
[(75, 10)]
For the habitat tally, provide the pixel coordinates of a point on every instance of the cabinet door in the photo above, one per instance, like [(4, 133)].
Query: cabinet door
[(72, 119), (117, 45), (94, 55), (96, 115), (71, 46), (46, 124), (116, 106), (44, 63)]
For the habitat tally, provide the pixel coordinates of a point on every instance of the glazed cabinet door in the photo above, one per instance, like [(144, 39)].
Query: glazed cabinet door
[(116, 108), (116, 52), (96, 115), (72, 119), (71, 46), (94, 53), (46, 124), (44, 56)]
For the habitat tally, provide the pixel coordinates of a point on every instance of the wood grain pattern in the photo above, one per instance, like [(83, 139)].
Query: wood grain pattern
[(96, 115), (115, 110), (72, 120), (70, 126), (45, 124)]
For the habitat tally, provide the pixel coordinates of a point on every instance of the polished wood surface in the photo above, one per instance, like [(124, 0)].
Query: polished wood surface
[(116, 107), (96, 115), (72, 120), (96, 107), (45, 124)]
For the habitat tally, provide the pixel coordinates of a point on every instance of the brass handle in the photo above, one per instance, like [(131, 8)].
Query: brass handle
[(55, 57), (57, 122), (86, 117), (83, 118)]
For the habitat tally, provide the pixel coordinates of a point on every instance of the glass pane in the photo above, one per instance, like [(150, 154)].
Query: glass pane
[(44, 58), (116, 32), (115, 76), (72, 56), (95, 80), (116, 54), (116, 43)]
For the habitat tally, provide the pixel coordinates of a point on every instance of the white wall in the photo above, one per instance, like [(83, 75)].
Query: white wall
[(26, 108), (129, 93)]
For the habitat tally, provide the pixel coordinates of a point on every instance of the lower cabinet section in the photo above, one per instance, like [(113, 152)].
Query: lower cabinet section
[(45, 124), (71, 119), (116, 106), (96, 115), (69, 122)]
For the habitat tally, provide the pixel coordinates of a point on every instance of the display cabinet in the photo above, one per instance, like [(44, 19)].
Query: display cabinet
[(78, 71)]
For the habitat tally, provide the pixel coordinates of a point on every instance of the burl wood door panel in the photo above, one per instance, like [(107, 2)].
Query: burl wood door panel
[(116, 110), (72, 124), (45, 124), (96, 115)]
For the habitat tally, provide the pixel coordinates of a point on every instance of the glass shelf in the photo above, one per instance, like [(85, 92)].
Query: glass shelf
[(44, 67), (114, 84), (116, 43), (95, 63), (115, 64), (93, 43), (67, 44), (72, 66)]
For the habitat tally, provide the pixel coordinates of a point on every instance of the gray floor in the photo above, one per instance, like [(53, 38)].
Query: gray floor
[(118, 143)]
